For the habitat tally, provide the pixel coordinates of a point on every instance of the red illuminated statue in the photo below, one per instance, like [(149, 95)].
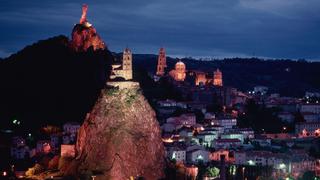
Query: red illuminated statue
[(83, 18)]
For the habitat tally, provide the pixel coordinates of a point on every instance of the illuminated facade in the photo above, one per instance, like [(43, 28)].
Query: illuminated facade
[(217, 78), (162, 62), (200, 78), (179, 73), (123, 70)]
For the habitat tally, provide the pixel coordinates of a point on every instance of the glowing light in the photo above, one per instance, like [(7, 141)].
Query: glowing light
[(173, 156), (4, 173), (169, 140), (251, 163), (200, 157), (29, 134), (233, 170), (282, 166)]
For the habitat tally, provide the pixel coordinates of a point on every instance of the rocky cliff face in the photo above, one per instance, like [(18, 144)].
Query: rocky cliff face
[(84, 37), (120, 138)]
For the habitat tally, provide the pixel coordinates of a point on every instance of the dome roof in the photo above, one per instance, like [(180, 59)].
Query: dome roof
[(180, 64)]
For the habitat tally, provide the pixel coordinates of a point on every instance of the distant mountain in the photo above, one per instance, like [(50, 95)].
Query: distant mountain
[(287, 77), (50, 82)]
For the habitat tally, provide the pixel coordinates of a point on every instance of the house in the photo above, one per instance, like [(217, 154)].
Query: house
[(226, 143), (240, 157), (183, 120), (19, 152), (262, 141), (310, 107), (246, 132), (310, 117), (206, 139), (167, 103), (186, 132), (177, 153), (218, 128), (197, 155), (293, 163), (43, 146), (67, 151), (226, 122), (71, 128), (168, 127), (286, 117), (216, 155), (233, 135), (18, 141), (209, 116), (308, 128), (188, 119), (55, 141)]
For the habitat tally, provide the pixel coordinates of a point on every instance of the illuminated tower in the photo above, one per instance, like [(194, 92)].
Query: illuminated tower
[(127, 64), (217, 78), (162, 62)]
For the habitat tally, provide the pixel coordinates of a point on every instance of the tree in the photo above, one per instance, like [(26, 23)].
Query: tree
[(212, 172), (308, 175)]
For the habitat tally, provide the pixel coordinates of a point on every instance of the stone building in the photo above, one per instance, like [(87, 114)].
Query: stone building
[(162, 62), (124, 69), (217, 78), (179, 73)]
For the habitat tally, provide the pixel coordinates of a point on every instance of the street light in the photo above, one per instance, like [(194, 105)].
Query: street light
[(284, 129), (243, 169)]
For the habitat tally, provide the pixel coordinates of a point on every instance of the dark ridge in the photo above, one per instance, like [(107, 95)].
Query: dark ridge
[(47, 82), (287, 77)]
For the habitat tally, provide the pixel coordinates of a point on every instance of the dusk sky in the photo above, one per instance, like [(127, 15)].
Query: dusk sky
[(199, 28)]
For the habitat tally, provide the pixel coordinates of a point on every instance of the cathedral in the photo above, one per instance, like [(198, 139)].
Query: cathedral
[(124, 69), (179, 72)]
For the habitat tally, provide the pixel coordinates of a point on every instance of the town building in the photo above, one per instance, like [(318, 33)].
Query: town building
[(216, 155), (197, 155), (226, 122), (70, 131), (43, 146), (68, 151), (233, 135), (20, 152), (286, 117), (217, 78), (226, 143), (307, 128), (310, 107), (206, 139), (177, 153)]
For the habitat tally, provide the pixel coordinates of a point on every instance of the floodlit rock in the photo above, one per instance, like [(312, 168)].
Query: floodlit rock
[(84, 35), (120, 138)]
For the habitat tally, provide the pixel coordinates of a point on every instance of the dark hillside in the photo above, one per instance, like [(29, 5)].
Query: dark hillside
[(48, 82)]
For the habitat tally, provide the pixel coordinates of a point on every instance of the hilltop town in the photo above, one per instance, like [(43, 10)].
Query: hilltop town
[(200, 128)]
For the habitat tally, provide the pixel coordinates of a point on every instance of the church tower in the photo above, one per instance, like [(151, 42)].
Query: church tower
[(217, 78), (162, 62), (127, 64)]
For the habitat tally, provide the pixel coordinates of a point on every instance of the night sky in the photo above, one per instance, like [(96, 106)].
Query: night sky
[(198, 28)]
